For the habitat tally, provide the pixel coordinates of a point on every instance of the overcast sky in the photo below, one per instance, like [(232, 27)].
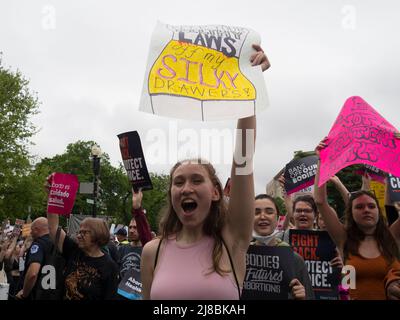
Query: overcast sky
[(86, 59)]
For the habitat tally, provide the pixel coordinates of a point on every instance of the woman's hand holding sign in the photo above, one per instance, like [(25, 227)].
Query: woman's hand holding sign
[(259, 58)]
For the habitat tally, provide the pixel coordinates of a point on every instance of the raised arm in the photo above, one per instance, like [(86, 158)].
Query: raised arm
[(366, 182), (53, 220), (334, 227), (11, 248), (288, 203), (138, 214), (341, 188), (241, 203)]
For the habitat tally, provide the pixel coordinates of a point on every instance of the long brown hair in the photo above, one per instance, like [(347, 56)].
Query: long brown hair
[(170, 223), (386, 242)]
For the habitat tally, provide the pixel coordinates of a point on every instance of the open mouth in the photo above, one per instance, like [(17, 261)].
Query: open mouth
[(189, 205), (263, 224)]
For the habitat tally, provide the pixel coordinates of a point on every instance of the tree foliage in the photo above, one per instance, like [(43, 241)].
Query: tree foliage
[(352, 182), (17, 105), (115, 199)]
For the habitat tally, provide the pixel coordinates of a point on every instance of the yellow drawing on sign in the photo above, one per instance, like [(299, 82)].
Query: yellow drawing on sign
[(379, 189), (185, 69)]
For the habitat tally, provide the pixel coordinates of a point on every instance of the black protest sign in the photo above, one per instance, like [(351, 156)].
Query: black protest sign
[(300, 173), (375, 173), (134, 162), (394, 188), (317, 250), (268, 273), (130, 286)]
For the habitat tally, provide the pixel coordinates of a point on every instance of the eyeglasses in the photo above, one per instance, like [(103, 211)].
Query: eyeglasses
[(304, 210), (83, 233)]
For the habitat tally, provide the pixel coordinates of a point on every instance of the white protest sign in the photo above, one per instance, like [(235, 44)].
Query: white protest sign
[(203, 73)]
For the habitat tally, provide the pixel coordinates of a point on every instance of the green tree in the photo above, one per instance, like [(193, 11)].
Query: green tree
[(17, 105), (76, 160), (352, 182), (156, 199), (281, 205)]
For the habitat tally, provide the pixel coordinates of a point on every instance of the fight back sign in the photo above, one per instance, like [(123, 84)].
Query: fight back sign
[(268, 273), (133, 159), (317, 250)]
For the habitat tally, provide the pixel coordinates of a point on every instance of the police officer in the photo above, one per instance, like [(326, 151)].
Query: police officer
[(35, 259)]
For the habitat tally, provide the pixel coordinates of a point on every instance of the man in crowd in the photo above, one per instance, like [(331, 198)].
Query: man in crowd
[(34, 285), (121, 236), (139, 234)]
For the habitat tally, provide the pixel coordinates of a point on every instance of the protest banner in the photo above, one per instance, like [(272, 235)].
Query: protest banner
[(394, 188), (360, 135), (379, 190), (134, 162), (300, 173), (130, 286), (375, 173), (62, 193), (203, 73), (317, 250), (268, 273)]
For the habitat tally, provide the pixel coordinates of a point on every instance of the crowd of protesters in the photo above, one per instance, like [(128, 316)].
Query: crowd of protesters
[(200, 252)]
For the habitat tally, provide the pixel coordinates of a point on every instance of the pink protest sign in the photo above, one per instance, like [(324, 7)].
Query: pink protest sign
[(63, 188), (360, 135)]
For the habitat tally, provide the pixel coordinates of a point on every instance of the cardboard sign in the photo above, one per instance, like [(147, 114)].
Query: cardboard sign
[(394, 188), (379, 190), (360, 135), (62, 193), (268, 273), (26, 230), (131, 286), (300, 173), (203, 73), (317, 250), (134, 162)]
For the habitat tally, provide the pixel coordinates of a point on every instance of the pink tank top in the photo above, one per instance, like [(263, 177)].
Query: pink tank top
[(183, 273)]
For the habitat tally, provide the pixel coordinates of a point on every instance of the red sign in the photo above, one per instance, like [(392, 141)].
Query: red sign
[(63, 188)]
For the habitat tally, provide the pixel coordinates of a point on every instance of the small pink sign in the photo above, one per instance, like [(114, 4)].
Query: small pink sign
[(62, 193)]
